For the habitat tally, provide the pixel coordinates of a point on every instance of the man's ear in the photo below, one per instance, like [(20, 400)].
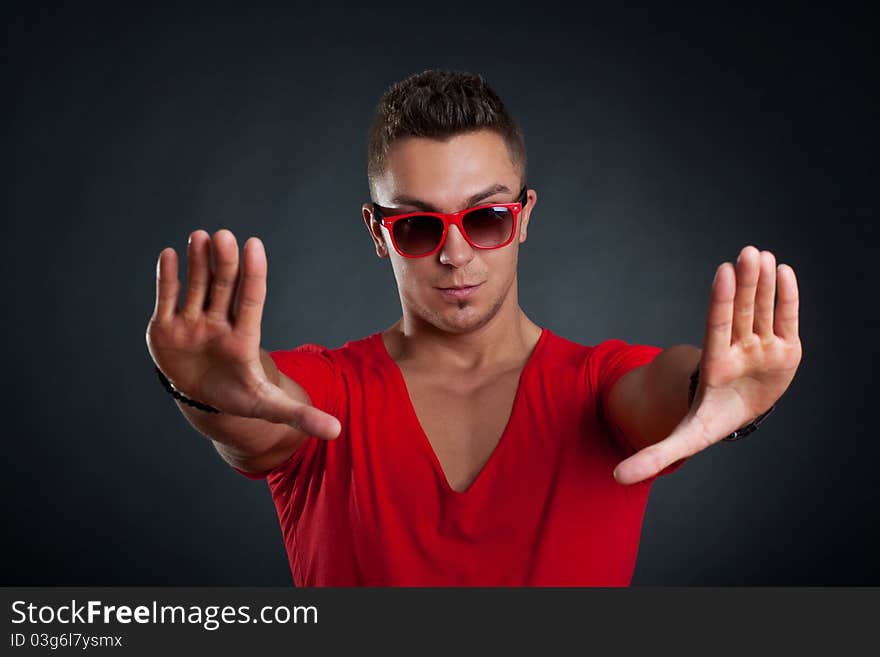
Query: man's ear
[(526, 213), (375, 231)]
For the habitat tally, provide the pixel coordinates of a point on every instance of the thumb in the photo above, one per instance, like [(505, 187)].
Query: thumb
[(315, 422), (274, 405)]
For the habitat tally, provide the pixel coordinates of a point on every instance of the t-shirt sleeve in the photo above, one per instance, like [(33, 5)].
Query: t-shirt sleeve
[(608, 361), (313, 368)]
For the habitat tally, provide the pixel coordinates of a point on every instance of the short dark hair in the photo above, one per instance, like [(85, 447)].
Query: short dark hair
[(439, 104)]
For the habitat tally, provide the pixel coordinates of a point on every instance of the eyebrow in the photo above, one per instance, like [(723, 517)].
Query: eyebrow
[(403, 199)]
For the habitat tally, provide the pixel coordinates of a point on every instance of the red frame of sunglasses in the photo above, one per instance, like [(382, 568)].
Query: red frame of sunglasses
[(454, 218)]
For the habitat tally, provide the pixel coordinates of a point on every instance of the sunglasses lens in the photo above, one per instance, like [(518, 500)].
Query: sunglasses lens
[(489, 227), (418, 235)]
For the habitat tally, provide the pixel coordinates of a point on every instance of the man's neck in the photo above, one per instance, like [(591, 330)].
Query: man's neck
[(505, 338)]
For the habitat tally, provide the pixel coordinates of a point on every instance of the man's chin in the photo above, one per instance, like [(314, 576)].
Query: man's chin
[(463, 319)]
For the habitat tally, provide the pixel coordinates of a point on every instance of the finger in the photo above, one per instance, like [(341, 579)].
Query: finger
[(225, 275), (315, 422), (649, 461), (764, 295), (167, 286), (276, 406), (252, 290), (720, 316), (198, 273), (787, 304), (747, 270), (688, 438)]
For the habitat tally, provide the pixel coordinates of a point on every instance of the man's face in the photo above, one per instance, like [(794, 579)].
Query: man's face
[(448, 176)]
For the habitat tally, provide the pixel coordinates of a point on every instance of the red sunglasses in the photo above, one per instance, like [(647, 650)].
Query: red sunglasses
[(420, 234)]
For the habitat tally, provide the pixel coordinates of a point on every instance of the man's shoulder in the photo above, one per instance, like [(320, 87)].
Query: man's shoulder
[(562, 352), (352, 351), (353, 344), (562, 347)]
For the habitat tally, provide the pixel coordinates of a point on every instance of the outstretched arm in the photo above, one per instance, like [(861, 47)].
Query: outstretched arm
[(751, 351), (209, 349)]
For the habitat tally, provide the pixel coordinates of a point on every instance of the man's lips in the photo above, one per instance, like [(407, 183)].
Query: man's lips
[(459, 291)]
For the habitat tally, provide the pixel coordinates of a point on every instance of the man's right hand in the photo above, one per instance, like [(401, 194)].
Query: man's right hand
[(210, 349)]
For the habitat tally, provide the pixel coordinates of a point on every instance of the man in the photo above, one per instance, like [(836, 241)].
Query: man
[(464, 444)]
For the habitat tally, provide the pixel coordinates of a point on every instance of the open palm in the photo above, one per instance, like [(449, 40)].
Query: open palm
[(210, 349), (751, 351)]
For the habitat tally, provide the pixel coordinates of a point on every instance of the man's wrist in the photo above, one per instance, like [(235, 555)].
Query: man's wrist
[(174, 392)]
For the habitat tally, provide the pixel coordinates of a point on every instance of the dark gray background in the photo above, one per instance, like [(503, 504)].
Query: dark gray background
[(660, 142)]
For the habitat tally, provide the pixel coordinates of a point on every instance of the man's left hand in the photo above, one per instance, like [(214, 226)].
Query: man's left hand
[(751, 351)]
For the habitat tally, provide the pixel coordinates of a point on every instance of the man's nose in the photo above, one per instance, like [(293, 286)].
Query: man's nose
[(456, 250)]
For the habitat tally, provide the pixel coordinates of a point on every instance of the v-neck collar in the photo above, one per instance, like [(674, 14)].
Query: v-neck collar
[(423, 437)]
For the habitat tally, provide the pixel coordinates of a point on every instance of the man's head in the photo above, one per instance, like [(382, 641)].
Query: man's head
[(442, 141), (437, 105)]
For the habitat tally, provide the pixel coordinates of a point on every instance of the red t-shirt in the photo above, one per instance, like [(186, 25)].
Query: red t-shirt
[(373, 508)]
